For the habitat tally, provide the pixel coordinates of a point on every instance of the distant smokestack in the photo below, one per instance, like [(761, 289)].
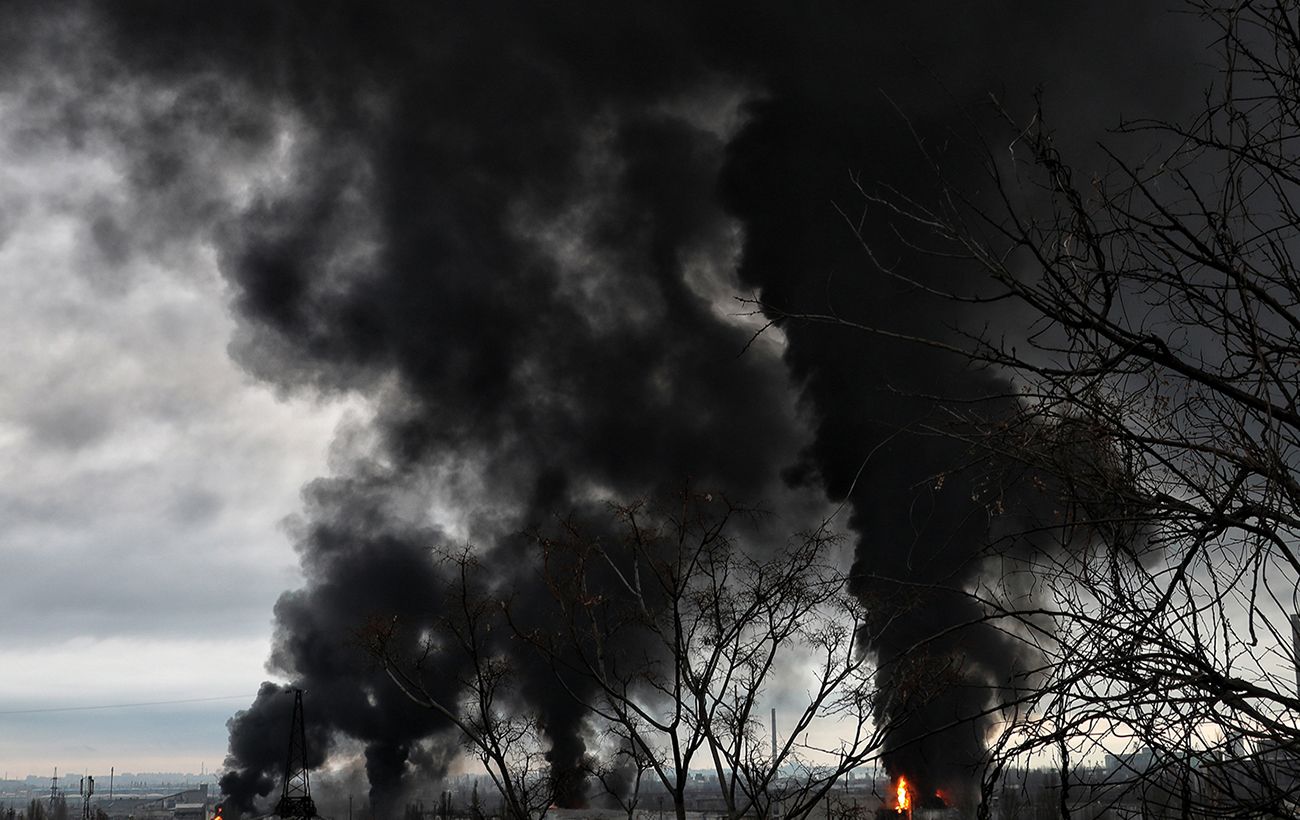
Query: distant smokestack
[(1295, 649), (774, 719)]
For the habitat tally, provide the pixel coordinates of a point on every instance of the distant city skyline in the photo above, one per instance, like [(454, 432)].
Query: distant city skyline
[(119, 778)]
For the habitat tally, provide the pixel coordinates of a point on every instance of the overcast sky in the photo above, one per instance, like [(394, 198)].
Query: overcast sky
[(143, 476)]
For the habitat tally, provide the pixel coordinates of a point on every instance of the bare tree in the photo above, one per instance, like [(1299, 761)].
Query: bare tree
[(621, 773), (673, 633), (487, 709), (1145, 487)]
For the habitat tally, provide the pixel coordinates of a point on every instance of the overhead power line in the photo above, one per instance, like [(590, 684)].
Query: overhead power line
[(123, 705)]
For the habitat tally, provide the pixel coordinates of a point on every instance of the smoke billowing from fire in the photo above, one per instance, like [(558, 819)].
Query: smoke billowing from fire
[(515, 227)]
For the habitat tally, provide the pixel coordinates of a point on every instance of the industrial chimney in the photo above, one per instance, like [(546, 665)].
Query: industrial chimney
[(1294, 621), (1295, 649)]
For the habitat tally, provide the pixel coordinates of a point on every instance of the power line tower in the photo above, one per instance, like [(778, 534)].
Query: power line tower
[(295, 800)]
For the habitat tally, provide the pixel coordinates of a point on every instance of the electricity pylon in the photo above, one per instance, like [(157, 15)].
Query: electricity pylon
[(295, 800)]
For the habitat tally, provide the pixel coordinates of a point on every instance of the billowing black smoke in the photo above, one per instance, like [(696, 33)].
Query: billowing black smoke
[(361, 562), (514, 227)]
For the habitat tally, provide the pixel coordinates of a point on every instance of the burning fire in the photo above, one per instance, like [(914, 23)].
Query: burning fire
[(904, 795)]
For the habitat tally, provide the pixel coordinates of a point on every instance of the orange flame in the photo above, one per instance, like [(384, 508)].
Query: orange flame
[(904, 796)]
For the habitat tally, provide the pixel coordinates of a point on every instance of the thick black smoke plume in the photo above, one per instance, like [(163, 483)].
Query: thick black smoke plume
[(516, 226)]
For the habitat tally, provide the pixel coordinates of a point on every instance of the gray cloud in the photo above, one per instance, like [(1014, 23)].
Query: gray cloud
[(143, 477)]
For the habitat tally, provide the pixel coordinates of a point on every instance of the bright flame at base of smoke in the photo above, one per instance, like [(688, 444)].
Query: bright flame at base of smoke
[(904, 796)]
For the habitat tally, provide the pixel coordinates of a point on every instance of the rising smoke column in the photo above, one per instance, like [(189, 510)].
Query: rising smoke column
[(875, 395), (506, 224)]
